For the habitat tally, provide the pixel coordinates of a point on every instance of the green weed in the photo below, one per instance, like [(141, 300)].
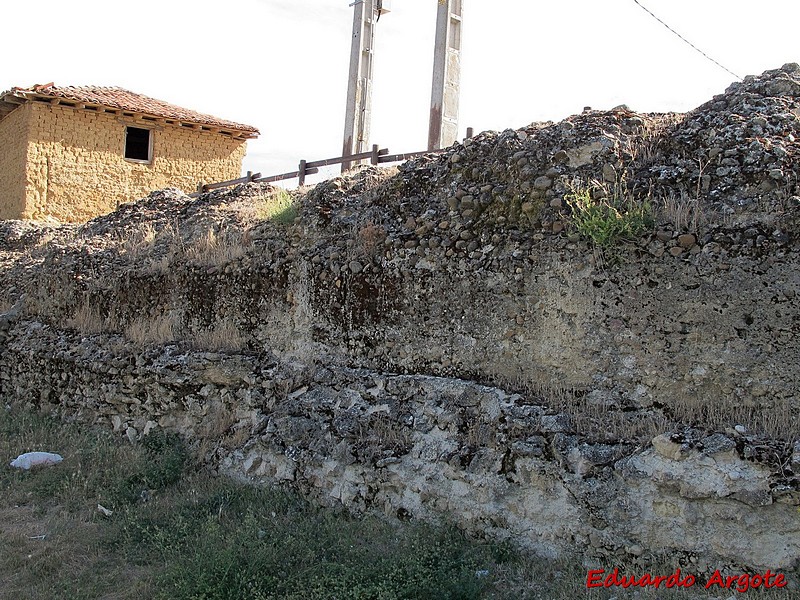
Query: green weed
[(610, 219), (278, 207)]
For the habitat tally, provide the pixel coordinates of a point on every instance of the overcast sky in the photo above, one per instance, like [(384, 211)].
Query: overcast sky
[(281, 65)]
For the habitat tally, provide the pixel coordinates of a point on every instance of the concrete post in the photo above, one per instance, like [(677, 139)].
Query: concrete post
[(443, 124), (359, 86)]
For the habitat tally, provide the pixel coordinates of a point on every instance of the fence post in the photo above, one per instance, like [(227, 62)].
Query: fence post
[(375, 158), (301, 173), (469, 133), (200, 187)]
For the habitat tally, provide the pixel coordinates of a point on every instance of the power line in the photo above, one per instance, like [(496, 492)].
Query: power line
[(685, 40)]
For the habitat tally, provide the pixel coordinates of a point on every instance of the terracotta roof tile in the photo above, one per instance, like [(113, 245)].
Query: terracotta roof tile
[(122, 99)]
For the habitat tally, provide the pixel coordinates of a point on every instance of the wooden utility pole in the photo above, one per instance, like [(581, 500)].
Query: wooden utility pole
[(443, 124), (359, 87)]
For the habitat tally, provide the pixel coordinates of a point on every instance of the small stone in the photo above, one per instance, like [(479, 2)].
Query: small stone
[(663, 235), (676, 251), (609, 173), (664, 446), (132, 434), (780, 237), (542, 183), (687, 240), (559, 423), (556, 203), (636, 550), (717, 443), (355, 266)]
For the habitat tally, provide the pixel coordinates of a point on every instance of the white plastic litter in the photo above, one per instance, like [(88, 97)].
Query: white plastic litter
[(36, 459)]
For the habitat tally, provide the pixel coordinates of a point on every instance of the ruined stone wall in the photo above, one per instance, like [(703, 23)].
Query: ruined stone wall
[(444, 339), (414, 446), (76, 168), (13, 141)]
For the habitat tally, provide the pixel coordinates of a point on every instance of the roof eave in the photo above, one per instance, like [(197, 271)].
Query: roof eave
[(13, 98)]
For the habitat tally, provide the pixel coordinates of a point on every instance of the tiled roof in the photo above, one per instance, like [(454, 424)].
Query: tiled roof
[(121, 99)]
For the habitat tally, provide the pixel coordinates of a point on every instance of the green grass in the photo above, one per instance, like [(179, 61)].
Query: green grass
[(247, 543), (198, 536), (179, 533), (278, 207), (609, 220)]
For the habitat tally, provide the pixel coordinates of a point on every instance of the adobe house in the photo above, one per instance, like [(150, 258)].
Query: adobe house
[(73, 153)]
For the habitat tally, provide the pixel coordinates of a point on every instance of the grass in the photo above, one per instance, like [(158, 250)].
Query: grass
[(198, 536), (223, 335), (278, 207), (217, 249), (609, 219), (178, 533)]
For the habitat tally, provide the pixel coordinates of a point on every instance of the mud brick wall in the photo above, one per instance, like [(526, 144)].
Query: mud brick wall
[(69, 163)]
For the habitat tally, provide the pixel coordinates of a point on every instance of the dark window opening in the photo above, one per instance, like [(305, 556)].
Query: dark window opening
[(137, 143)]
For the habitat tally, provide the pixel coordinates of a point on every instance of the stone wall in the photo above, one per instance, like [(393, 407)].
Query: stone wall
[(415, 446), (13, 141), (443, 339), (76, 168)]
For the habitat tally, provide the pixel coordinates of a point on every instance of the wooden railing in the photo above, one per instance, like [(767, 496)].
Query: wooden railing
[(376, 156)]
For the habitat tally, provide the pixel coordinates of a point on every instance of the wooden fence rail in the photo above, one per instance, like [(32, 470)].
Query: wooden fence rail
[(376, 156)]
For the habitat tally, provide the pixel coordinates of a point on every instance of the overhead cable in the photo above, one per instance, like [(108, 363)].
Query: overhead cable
[(685, 40)]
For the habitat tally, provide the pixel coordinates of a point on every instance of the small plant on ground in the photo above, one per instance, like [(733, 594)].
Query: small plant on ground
[(278, 207), (222, 335), (216, 249), (608, 218)]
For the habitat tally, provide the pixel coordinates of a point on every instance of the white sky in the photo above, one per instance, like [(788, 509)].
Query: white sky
[(281, 65)]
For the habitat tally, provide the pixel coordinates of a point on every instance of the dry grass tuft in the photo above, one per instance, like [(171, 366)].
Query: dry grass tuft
[(141, 241), (87, 319), (603, 418), (213, 249), (684, 213), (223, 335), (370, 237), (161, 329)]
